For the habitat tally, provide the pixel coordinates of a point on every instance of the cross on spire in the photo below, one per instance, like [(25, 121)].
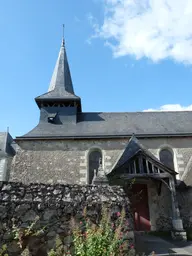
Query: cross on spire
[(63, 38)]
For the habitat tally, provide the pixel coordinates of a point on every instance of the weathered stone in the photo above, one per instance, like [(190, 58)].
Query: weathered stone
[(37, 246), (41, 206), (3, 215), (14, 198), (21, 192), (1, 184), (29, 216), (5, 197), (37, 199), (7, 235), (52, 234), (6, 187), (13, 248), (56, 191), (49, 214), (67, 199), (2, 209), (21, 209), (1, 227), (104, 199), (51, 243), (28, 197)]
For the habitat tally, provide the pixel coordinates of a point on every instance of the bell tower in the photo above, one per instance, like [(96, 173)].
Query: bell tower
[(60, 93)]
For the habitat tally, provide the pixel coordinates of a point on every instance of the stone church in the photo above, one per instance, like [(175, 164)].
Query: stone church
[(149, 151)]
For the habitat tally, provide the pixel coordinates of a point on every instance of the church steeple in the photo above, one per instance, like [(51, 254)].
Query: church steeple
[(60, 92), (61, 78)]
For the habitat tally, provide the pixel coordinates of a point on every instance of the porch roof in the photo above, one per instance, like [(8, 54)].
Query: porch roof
[(133, 149)]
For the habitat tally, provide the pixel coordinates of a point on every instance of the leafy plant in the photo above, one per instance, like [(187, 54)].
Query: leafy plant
[(104, 239), (3, 250), (59, 250)]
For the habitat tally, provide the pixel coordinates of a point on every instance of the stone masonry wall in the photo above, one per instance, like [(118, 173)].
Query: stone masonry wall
[(54, 205), (66, 161), (159, 208), (185, 203)]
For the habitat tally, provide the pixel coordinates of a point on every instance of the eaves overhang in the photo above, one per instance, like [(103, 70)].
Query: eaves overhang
[(57, 99), (118, 136)]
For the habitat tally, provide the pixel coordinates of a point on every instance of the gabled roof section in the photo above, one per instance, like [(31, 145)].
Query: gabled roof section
[(61, 86), (133, 148)]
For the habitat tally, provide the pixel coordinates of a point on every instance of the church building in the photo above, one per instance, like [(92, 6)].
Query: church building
[(149, 151)]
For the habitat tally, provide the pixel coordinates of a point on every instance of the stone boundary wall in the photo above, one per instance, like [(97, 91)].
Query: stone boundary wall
[(54, 205)]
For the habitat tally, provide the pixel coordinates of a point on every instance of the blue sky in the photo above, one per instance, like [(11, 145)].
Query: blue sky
[(122, 56)]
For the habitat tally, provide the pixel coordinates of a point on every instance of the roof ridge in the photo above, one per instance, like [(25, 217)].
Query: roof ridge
[(134, 112)]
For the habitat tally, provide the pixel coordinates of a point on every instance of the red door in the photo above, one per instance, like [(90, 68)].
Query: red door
[(140, 207)]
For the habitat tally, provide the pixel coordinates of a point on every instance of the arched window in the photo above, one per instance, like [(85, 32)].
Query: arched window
[(95, 159), (166, 157)]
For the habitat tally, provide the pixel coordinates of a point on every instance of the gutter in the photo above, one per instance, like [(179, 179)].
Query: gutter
[(123, 136)]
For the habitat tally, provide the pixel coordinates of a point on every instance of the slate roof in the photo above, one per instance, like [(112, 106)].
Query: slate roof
[(61, 86), (2, 141), (133, 148), (5, 144), (142, 124)]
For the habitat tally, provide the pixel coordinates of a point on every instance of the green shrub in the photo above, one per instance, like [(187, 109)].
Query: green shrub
[(3, 250), (104, 239)]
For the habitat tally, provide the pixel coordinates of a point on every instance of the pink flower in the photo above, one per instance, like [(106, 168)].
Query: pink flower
[(80, 222), (118, 214), (132, 246)]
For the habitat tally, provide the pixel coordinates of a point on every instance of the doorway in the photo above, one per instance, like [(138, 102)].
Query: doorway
[(140, 207)]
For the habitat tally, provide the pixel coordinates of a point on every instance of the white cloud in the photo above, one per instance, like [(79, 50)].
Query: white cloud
[(171, 107), (156, 29)]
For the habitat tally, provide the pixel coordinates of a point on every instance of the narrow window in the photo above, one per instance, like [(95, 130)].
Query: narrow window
[(95, 159), (166, 157)]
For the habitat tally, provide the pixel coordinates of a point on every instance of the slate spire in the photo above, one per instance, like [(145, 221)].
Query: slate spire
[(61, 78), (61, 86)]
